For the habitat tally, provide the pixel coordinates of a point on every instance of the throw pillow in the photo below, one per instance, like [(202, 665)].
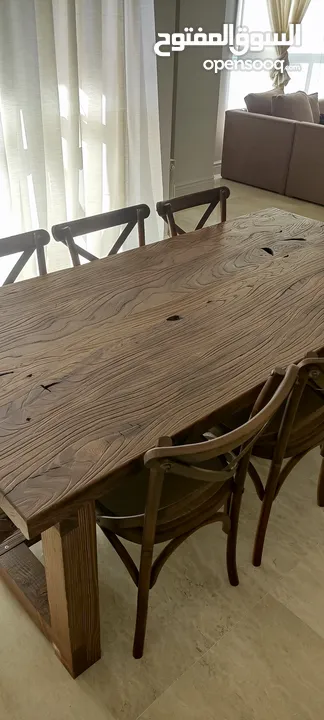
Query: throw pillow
[(260, 103), (313, 99), (322, 118), (294, 106)]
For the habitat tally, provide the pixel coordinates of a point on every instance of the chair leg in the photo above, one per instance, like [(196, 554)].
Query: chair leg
[(269, 496), (320, 486), (148, 539), (232, 537), (142, 603), (227, 511), (223, 208)]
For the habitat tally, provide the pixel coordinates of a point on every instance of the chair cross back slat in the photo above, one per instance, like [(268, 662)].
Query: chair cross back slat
[(212, 198), (130, 217), (26, 243)]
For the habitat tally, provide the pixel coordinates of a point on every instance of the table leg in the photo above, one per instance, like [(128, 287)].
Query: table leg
[(70, 555)]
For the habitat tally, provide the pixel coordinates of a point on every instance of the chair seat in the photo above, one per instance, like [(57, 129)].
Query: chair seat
[(307, 432), (128, 498)]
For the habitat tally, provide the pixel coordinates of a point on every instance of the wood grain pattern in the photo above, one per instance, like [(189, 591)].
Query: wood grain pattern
[(70, 556), (97, 372), (16, 538), (25, 576)]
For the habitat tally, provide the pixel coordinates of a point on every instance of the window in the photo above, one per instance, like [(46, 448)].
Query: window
[(310, 57), (253, 15)]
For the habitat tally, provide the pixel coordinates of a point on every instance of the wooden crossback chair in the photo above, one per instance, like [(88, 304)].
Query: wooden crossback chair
[(26, 243), (130, 216), (167, 208), (296, 429), (179, 489)]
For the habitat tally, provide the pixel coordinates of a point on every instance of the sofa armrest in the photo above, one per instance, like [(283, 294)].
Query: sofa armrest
[(306, 171), (257, 149)]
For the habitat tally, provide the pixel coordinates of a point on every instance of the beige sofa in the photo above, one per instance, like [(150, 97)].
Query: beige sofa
[(283, 156)]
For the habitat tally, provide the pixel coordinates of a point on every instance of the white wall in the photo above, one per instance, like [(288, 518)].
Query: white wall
[(231, 10), (165, 22), (196, 101)]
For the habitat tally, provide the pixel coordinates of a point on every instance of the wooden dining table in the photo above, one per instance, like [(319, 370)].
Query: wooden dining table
[(100, 361)]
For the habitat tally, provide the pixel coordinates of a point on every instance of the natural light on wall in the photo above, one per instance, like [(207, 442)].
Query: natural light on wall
[(310, 57)]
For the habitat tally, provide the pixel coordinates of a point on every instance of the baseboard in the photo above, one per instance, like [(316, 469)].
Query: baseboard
[(217, 169), (194, 186)]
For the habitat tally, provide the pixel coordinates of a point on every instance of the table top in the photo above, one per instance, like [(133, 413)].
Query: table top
[(94, 367)]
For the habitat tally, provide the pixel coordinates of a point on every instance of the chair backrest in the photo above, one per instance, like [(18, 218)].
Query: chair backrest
[(187, 460), (296, 430), (235, 446), (244, 436), (130, 217), (167, 208), (26, 243)]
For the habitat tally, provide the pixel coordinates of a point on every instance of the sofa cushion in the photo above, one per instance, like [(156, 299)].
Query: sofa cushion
[(315, 108), (260, 103), (294, 106)]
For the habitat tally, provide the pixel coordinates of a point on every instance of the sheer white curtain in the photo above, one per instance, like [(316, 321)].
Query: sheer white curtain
[(79, 122)]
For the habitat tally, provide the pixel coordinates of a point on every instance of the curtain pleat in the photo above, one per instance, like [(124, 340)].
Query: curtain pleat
[(79, 122)]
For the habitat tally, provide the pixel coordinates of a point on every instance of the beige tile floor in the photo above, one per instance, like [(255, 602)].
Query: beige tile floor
[(213, 652), (244, 199)]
